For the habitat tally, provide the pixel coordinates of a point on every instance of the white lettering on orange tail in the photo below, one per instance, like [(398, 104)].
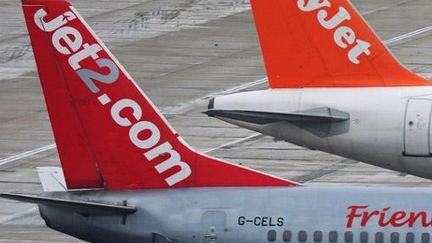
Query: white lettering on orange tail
[(344, 37)]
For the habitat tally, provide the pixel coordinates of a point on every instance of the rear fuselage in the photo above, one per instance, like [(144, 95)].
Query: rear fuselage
[(388, 127), (244, 215)]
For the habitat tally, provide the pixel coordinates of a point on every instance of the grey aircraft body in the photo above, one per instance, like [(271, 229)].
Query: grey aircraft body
[(127, 176), (244, 215)]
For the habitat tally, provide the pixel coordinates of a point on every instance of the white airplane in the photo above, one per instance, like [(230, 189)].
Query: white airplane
[(334, 87)]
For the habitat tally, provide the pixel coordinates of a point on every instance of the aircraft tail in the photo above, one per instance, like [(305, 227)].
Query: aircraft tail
[(324, 43), (108, 133)]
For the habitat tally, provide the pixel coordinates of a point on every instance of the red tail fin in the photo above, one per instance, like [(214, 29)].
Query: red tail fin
[(109, 134), (324, 43)]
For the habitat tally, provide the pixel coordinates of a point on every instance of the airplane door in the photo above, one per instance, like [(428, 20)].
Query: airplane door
[(213, 227), (417, 128)]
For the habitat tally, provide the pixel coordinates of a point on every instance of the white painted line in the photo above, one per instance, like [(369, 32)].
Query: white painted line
[(374, 11), (229, 144), (426, 75), (240, 87), (28, 212), (173, 110), (187, 105), (27, 154), (408, 35)]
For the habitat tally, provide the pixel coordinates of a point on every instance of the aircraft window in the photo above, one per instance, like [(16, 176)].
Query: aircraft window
[(286, 236), (364, 237), (318, 236), (394, 237), (302, 236), (349, 237), (379, 237), (425, 238), (410, 237), (333, 236), (271, 235)]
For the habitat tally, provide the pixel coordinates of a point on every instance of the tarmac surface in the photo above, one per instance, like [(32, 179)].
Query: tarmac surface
[(182, 53)]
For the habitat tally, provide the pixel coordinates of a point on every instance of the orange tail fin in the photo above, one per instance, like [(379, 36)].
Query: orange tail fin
[(324, 43)]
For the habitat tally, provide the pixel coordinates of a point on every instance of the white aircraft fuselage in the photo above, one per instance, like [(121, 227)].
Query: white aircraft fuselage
[(387, 127)]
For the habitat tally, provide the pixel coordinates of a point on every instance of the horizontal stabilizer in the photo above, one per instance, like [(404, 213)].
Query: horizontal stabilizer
[(83, 207), (314, 115), (322, 122)]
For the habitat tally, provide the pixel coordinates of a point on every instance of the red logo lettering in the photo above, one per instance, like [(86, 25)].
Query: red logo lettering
[(363, 216)]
